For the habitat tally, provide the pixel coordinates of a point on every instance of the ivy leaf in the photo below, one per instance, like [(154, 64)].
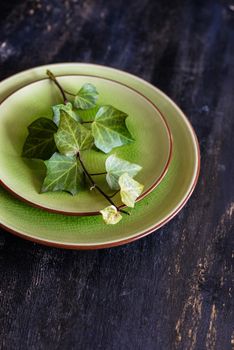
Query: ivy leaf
[(71, 136), (67, 108), (64, 173), (111, 215), (130, 190), (88, 114), (109, 129), (40, 140), (116, 167), (86, 97)]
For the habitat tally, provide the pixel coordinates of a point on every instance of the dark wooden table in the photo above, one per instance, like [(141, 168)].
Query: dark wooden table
[(172, 289)]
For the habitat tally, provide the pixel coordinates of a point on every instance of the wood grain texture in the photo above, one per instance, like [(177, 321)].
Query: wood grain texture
[(174, 288)]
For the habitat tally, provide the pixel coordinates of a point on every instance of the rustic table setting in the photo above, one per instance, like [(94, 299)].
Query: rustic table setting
[(174, 288)]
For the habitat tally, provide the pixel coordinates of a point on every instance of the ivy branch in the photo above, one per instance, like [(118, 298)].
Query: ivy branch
[(61, 141)]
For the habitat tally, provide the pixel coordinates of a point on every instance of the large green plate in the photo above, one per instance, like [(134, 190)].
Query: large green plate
[(151, 213), (151, 149)]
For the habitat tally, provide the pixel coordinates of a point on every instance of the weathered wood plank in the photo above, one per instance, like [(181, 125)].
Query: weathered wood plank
[(173, 289)]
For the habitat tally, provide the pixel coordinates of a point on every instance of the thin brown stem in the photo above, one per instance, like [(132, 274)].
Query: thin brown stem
[(52, 77), (86, 122), (94, 185), (114, 194), (69, 93), (96, 174)]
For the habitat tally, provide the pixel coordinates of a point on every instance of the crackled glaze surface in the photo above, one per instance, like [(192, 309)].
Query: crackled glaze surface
[(152, 148), (152, 212)]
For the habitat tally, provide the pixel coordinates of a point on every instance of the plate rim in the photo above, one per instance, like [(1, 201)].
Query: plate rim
[(170, 216), (143, 195)]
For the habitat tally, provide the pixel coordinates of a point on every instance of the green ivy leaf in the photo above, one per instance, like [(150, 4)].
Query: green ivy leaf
[(88, 114), (130, 190), (64, 173), (71, 136), (40, 140), (116, 167), (111, 215), (66, 108), (86, 97), (109, 129)]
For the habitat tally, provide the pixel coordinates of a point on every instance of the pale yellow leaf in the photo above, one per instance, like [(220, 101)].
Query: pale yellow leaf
[(111, 215), (130, 190)]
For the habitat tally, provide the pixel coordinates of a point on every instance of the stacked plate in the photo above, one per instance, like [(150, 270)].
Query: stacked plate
[(165, 146)]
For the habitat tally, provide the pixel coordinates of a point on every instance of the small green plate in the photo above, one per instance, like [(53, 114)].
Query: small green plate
[(157, 208), (152, 148)]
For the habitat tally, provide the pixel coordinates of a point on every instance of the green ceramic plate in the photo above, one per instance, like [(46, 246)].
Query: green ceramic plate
[(152, 212), (152, 148)]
